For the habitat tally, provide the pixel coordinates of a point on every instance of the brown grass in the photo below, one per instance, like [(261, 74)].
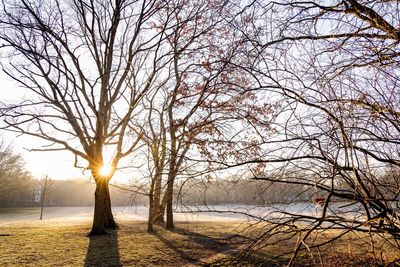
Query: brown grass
[(191, 244), (55, 244)]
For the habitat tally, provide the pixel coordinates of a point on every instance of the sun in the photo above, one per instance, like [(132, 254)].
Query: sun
[(105, 170)]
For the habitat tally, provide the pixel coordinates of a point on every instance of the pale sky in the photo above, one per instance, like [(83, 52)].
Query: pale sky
[(56, 164)]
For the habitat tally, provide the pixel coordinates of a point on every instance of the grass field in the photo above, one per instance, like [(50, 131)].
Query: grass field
[(191, 244), (67, 245)]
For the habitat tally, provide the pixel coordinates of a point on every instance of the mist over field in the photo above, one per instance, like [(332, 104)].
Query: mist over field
[(187, 213)]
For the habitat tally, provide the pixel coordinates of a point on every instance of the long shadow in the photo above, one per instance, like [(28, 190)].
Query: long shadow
[(173, 246), (221, 245), (207, 242), (211, 243), (103, 250)]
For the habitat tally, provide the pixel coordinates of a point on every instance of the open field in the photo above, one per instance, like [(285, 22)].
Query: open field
[(225, 213), (67, 245), (81, 214), (63, 242)]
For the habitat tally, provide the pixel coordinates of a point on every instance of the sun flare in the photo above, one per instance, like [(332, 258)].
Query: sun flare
[(105, 170)]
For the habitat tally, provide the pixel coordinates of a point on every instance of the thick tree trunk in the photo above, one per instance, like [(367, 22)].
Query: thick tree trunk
[(109, 218), (150, 228), (158, 207), (156, 210), (98, 227), (103, 218), (151, 209), (158, 214), (170, 215)]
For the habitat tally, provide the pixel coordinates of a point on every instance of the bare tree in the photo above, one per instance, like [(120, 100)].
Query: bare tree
[(85, 66), (44, 186), (193, 116), (333, 66), (15, 180)]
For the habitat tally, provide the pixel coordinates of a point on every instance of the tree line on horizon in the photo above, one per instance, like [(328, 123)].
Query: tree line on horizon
[(19, 189)]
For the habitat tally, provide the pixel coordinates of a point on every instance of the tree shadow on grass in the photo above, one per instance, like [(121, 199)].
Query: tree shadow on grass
[(175, 247), (103, 250), (200, 248), (222, 245), (208, 242)]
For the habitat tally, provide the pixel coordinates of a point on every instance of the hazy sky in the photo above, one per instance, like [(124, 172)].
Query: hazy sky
[(59, 164)]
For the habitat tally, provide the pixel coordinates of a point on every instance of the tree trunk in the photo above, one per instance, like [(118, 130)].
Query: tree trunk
[(151, 209), (158, 207), (103, 218), (109, 218), (43, 195), (158, 214), (170, 215), (150, 228)]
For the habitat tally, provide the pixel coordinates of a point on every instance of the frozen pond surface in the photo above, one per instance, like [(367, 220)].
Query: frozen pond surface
[(182, 214)]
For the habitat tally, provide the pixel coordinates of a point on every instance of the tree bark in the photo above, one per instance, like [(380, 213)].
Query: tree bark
[(158, 207), (109, 218), (170, 214), (103, 218), (151, 209), (158, 214)]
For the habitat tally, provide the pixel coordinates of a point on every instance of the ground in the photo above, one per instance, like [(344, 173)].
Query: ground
[(59, 242)]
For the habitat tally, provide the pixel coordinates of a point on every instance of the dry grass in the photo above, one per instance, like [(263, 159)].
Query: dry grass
[(324, 248), (57, 244), (192, 244)]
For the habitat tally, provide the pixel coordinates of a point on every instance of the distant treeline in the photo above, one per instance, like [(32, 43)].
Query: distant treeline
[(27, 192), (18, 189), (243, 191), (17, 193), (60, 193)]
